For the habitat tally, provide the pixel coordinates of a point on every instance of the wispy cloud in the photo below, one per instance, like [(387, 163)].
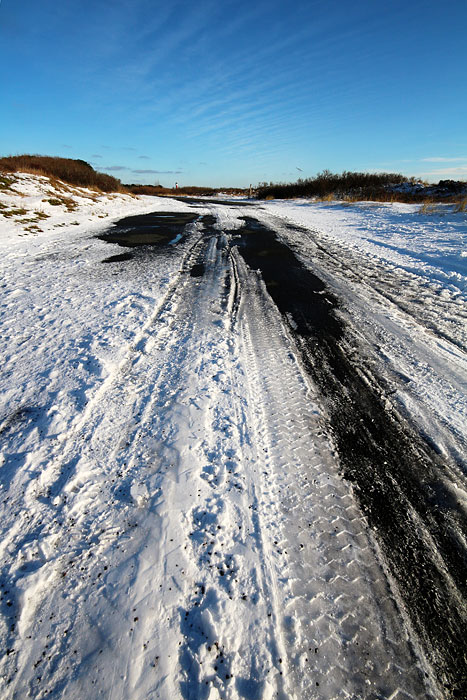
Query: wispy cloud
[(157, 172), (114, 168), (96, 155), (437, 159), (200, 76), (448, 173), (138, 171)]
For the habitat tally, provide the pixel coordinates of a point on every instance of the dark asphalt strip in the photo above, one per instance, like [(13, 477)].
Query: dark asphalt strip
[(396, 474)]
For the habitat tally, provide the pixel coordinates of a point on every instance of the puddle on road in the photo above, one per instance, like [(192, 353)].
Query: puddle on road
[(197, 270), (155, 229), (118, 258)]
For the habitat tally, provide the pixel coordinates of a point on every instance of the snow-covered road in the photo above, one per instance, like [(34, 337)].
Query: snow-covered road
[(189, 506)]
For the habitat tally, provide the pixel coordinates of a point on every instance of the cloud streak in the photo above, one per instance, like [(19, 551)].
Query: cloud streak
[(461, 159), (448, 173), (114, 168), (138, 171), (157, 172)]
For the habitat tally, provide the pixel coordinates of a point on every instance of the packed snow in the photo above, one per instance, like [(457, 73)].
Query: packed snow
[(174, 522)]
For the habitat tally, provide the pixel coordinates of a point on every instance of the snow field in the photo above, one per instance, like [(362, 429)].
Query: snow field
[(173, 521)]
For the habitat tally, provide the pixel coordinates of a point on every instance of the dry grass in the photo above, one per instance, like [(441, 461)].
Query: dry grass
[(461, 206), (13, 212), (428, 207), (67, 202), (6, 182), (53, 202)]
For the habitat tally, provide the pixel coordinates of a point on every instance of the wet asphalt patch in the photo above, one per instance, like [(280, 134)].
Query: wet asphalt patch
[(155, 229), (397, 476)]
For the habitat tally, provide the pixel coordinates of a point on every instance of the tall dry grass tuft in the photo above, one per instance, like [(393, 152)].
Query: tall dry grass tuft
[(428, 207), (461, 206)]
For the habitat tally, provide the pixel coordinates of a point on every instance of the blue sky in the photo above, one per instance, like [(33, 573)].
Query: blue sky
[(232, 92)]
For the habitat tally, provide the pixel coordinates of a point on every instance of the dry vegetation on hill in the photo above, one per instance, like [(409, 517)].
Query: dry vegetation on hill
[(73, 171), (81, 174)]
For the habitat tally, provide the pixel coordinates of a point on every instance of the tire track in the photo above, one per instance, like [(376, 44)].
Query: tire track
[(342, 630)]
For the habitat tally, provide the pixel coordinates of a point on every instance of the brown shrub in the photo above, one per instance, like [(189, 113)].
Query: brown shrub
[(332, 185), (349, 186)]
